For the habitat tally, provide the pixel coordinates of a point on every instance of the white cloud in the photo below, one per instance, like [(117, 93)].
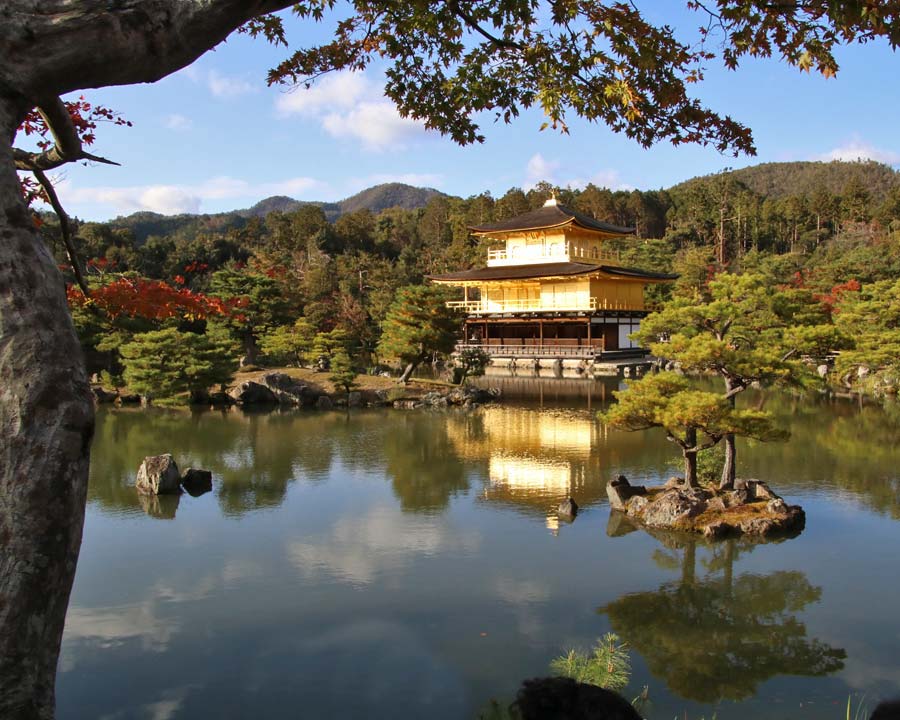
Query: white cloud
[(603, 179), (336, 91), (228, 87), (168, 199), (358, 550), (857, 149), (377, 124), (178, 122), (540, 169), (521, 592), (175, 199), (110, 627), (348, 105)]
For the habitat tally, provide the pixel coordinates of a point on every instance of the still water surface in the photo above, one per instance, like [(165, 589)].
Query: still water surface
[(389, 564)]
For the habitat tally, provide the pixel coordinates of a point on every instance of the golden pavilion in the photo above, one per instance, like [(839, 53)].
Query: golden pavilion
[(552, 289)]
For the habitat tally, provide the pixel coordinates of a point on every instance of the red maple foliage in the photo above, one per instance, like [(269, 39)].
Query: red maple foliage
[(196, 267), (833, 297), (85, 117), (153, 300)]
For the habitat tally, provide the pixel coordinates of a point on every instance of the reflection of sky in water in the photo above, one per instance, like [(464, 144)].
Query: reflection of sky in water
[(360, 549), (394, 564)]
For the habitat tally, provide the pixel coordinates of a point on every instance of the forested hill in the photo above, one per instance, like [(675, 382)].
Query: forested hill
[(300, 276), (375, 199), (773, 208), (783, 179)]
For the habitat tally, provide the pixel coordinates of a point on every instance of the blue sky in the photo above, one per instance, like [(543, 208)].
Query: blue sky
[(213, 137)]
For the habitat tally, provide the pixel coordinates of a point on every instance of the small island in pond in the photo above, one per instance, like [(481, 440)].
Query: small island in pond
[(750, 508)]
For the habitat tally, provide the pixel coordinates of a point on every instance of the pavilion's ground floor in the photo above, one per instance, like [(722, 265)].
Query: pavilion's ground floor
[(586, 335)]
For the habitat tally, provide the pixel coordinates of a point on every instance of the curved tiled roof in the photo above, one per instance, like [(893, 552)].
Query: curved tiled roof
[(561, 269), (550, 216)]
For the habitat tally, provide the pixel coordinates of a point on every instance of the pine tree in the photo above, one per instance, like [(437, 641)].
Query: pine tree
[(325, 346), (164, 364), (419, 324), (342, 373), (261, 300), (744, 330), (693, 419), (288, 344)]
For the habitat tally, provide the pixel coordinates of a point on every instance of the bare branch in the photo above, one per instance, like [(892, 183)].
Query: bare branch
[(473, 24), (675, 439), (64, 229)]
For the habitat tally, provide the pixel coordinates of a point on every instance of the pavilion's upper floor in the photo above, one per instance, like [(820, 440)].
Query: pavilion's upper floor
[(551, 234)]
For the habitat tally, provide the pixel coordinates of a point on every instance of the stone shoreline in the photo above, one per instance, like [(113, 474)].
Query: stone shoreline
[(275, 389), (751, 508)]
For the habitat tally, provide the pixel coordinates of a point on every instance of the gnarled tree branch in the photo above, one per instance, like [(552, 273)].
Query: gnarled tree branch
[(67, 146), (64, 229)]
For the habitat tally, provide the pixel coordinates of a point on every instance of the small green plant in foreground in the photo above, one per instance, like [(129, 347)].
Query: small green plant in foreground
[(861, 712), (608, 665)]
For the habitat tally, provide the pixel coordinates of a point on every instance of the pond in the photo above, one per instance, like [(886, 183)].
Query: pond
[(391, 564)]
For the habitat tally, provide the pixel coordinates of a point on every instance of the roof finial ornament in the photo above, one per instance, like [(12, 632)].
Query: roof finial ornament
[(551, 201)]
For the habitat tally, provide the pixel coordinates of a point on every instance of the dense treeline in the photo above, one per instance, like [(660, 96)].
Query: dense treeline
[(271, 272)]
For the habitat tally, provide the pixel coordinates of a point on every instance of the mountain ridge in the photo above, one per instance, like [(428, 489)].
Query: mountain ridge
[(775, 180), (375, 199)]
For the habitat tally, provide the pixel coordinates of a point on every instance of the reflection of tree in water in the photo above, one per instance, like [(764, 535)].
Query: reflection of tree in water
[(272, 450), (253, 457), (124, 437), (717, 638), (833, 442), (422, 462), (864, 449)]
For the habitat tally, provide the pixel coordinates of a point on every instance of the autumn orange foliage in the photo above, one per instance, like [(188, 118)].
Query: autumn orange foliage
[(833, 297), (153, 300)]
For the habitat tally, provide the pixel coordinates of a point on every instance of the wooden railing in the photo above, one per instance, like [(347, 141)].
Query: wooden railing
[(534, 254), (482, 307), (532, 348)]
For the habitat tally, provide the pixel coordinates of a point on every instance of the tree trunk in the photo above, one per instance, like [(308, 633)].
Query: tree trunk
[(690, 458), (729, 469), (46, 424), (49, 48), (404, 378), (251, 353)]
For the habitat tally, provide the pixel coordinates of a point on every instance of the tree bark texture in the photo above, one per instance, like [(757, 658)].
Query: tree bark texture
[(48, 48), (51, 47), (408, 371), (46, 424), (729, 469), (690, 458)]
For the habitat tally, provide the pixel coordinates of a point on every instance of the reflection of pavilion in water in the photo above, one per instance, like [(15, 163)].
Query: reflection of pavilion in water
[(535, 458), (543, 387)]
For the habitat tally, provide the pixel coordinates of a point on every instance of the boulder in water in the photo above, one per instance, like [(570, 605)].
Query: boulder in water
[(568, 508), (158, 475), (196, 482)]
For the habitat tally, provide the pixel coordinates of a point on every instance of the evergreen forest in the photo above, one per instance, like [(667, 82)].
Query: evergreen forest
[(277, 283)]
